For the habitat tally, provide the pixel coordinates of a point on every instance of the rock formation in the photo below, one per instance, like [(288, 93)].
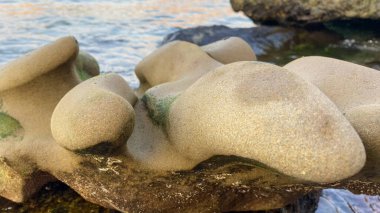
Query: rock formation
[(173, 106), (306, 12), (355, 89), (235, 104), (175, 61), (95, 116), (205, 133), (30, 88)]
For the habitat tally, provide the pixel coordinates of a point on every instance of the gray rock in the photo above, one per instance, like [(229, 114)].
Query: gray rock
[(261, 39), (307, 12)]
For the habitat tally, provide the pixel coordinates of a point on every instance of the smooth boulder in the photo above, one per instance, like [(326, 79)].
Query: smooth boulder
[(95, 116), (266, 113), (295, 12), (355, 89)]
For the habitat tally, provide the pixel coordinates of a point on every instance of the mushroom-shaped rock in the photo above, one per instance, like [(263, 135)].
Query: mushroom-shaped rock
[(355, 89), (95, 116), (38, 62), (230, 50), (30, 88), (266, 113)]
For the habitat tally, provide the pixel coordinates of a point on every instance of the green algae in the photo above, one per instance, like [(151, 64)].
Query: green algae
[(158, 108), (8, 125), (83, 75)]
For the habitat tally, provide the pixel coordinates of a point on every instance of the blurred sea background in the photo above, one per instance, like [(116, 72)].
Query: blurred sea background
[(117, 33)]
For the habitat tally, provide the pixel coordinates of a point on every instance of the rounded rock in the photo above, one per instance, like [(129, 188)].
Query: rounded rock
[(95, 116), (230, 50), (266, 113), (355, 90)]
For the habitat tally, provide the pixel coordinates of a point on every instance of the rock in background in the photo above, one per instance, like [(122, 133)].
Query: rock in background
[(296, 12), (349, 41)]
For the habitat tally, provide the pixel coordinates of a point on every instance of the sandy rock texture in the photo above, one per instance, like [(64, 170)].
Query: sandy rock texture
[(263, 112), (165, 74), (97, 115), (355, 89), (197, 122), (30, 88), (307, 12)]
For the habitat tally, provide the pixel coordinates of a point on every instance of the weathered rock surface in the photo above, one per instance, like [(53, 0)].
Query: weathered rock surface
[(306, 12), (30, 88), (229, 110), (221, 184), (77, 123), (355, 89)]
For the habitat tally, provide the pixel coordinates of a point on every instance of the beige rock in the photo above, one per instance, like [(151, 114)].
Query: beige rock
[(30, 88), (150, 146), (230, 50), (355, 89), (348, 85), (170, 70), (178, 60), (184, 62), (97, 115), (366, 121), (263, 112)]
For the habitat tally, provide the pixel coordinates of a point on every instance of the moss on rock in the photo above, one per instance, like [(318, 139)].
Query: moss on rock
[(83, 75), (8, 125), (158, 108)]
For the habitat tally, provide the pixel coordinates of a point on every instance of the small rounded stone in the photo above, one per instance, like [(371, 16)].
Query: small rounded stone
[(230, 50), (93, 116)]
